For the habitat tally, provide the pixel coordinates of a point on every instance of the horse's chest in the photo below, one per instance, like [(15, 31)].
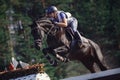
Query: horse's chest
[(53, 41), (54, 44)]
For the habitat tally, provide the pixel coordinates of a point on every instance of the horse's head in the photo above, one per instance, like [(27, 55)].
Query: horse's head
[(38, 29)]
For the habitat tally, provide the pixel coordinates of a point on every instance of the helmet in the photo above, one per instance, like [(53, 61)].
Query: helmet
[(51, 9)]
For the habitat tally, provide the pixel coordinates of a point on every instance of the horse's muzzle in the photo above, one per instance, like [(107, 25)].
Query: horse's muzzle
[(38, 45)]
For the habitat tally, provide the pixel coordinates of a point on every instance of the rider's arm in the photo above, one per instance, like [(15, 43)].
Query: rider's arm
[(63, 23)]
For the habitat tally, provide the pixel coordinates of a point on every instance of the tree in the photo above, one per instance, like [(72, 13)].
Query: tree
[(98, 20)]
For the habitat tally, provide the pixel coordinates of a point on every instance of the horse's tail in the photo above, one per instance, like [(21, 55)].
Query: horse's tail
[(97, 50)]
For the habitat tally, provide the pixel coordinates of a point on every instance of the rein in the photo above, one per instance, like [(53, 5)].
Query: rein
[(39, 27)]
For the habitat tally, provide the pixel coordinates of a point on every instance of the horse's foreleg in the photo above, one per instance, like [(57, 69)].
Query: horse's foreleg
[(59, 57), (61, 50), (47, 56)]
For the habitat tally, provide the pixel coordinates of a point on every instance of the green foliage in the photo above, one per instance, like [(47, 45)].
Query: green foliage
[(99, 20), (3, 48)]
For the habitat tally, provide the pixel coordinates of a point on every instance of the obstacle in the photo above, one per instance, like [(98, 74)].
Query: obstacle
[(113, 74), (34, 72)]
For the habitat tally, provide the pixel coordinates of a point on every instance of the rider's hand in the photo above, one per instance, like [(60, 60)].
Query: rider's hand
[(55, 23)]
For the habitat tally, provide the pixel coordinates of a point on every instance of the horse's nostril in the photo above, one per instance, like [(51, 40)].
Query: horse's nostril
[(38, 46)]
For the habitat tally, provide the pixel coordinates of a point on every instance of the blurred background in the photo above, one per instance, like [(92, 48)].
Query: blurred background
[(99, 20)]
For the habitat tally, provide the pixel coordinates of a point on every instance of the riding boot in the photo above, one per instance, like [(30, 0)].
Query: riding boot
[(77, 37)]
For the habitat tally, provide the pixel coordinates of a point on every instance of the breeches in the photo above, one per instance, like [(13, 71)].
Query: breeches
[(74, 24)]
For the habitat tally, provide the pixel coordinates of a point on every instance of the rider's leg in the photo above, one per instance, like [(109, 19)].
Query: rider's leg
[(76, 35)]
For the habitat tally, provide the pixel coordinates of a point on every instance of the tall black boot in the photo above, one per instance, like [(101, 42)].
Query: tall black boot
[(77, 36), (76, 39)]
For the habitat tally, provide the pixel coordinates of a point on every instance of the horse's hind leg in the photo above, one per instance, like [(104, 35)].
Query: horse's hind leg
[(92, 69), (101, 65), (89, 65), (98, 57)]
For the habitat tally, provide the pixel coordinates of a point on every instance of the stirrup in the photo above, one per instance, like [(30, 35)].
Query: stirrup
[(81, 44)]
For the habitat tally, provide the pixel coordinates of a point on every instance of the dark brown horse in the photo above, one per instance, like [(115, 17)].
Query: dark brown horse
[(59, 45)]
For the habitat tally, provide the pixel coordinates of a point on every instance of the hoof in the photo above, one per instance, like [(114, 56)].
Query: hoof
[(66, 60), (53, 63)]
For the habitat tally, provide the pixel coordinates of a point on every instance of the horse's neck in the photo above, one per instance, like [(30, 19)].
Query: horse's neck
[(62, 37)]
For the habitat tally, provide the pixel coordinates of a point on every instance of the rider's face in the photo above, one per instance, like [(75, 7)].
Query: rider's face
[(52, 15)]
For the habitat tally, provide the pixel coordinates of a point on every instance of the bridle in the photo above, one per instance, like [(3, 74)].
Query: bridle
[(39, 24)]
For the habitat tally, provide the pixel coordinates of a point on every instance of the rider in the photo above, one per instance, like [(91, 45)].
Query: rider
[(61, 19)]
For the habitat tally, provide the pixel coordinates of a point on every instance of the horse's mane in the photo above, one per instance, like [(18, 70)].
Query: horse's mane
[(44, 20)]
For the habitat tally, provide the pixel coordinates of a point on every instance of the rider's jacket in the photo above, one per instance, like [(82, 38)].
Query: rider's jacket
[(61, 15)]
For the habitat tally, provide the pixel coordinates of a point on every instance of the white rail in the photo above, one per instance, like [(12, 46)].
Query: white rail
[(113, 74)]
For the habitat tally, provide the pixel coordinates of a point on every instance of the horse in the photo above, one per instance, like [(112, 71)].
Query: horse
[(59, 45)]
